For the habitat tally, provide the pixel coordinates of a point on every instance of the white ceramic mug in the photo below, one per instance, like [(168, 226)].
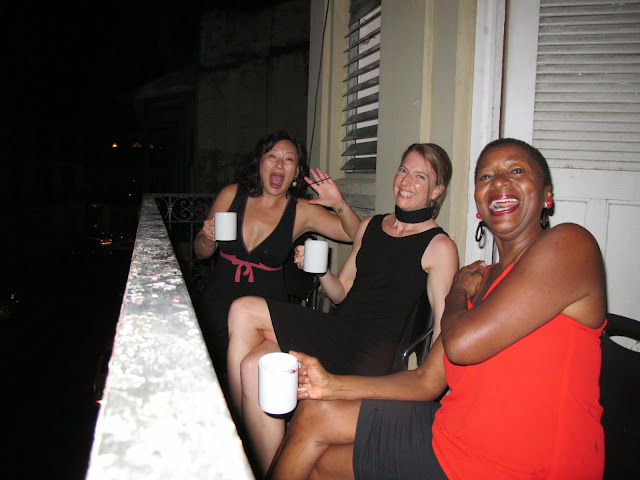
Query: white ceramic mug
[(277, 382), (316, 256), (225, 226)]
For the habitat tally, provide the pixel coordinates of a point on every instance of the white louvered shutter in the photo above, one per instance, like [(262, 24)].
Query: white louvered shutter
[(587, 100)]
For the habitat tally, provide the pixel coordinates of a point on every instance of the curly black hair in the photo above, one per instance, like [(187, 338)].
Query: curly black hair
[(251, 180)]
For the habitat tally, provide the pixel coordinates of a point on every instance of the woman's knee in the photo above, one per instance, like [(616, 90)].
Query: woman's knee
[(313, 412), (249, 367), (243, 310), (332, 421)]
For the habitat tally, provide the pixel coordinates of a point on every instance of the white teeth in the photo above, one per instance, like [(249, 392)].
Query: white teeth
[(503, 204), (407, 194)]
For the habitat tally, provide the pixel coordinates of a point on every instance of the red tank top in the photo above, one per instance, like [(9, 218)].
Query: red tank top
[(531, 411)]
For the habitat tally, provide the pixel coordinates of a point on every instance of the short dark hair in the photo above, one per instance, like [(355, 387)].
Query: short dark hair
[(441, 164), (251, 180), (532, 153)]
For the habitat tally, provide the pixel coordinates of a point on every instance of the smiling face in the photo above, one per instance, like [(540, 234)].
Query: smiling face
[(510, 190), (278, 168), (414, 185)]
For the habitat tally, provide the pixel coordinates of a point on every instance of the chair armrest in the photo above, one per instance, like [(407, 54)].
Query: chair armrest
[(420, 345), (312, 297), (624, 326)]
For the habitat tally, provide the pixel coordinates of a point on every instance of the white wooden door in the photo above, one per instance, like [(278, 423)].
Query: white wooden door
[(599, 192)]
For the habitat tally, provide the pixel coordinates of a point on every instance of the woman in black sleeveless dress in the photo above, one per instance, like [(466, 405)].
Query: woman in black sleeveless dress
[(362, 336), (271, 215), (394, 257)]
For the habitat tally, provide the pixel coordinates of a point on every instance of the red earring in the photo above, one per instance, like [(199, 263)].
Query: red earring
[(478, 216), (548, 203)]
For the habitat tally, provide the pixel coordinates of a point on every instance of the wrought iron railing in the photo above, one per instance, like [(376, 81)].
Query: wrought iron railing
[(183, 215)]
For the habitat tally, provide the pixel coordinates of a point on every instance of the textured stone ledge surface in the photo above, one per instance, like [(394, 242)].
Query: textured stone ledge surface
[(163, 414)]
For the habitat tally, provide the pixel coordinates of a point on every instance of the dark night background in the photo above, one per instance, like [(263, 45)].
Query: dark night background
[(71, 60), (68, 68)]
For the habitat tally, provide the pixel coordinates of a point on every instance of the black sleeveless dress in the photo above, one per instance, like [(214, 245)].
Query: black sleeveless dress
[(239, 272), (362, 336)]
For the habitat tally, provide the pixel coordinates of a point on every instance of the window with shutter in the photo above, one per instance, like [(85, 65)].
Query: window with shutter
[(587, 100), (363, 73)]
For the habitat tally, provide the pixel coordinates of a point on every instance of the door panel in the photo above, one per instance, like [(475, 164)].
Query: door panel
[(596, 195)]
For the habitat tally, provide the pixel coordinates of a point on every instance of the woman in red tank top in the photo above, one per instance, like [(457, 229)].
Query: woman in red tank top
[(519, 349)]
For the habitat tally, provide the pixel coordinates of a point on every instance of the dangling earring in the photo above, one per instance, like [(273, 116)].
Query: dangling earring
[(548, 203), (480, 231), (544, 220), (295, 182)]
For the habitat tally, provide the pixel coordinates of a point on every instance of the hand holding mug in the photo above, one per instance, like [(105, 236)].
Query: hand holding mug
[(314, 381), (208, 230), (298, 256)]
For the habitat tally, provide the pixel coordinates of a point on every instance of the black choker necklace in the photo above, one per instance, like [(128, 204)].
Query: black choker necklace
[(414, 216)]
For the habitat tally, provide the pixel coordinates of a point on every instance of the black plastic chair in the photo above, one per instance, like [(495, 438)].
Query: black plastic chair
[(620, 398), (417, 335), (302, 287)]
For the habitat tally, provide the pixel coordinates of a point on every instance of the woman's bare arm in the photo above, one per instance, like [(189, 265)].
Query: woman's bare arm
[(203, 245), (440, 261), (561, 272), (427, 382), (337, 287)]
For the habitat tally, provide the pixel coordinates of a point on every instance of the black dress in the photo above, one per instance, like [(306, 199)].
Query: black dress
[(238, 273), (362, 336)]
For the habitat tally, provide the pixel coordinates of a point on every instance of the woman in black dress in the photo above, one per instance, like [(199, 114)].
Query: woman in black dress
[(393, 258), (271, 215)]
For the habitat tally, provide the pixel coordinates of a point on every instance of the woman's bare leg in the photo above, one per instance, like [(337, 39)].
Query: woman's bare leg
[(249, 326), (335, 464), (265, 431), (251, 335), (319, 441)]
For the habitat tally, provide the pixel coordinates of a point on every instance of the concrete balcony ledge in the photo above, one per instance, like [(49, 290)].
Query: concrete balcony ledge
[(163, 414)]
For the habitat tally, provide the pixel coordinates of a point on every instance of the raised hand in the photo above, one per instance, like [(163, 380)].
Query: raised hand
[(328, 192)]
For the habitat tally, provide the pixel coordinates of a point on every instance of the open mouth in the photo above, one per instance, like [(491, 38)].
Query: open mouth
[(276, 180), (502, 205)]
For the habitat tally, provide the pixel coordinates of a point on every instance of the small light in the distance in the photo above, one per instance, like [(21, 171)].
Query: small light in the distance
[(114, 145)]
